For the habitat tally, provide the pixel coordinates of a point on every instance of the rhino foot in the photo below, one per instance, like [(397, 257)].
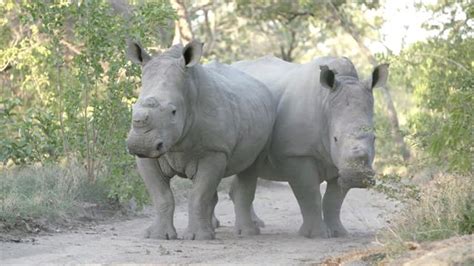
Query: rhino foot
[(157, 231), (247, 230), (315, 231), (337, 231), (258, 222), (199, 235)]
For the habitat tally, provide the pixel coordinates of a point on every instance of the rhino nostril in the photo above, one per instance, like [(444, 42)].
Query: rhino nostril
[(159, 146)]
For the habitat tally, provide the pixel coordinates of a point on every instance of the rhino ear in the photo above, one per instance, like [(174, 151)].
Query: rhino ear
[(379, 76), (192, 53), (136, 53), (327, 77)]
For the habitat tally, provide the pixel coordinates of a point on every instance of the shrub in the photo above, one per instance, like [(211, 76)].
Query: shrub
[(69, 86)]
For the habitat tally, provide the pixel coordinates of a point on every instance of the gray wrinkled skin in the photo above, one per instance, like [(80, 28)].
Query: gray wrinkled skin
[(197, 122), (323, 132)]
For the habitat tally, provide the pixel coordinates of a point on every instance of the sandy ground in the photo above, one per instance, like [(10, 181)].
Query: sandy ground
[(364, 212)]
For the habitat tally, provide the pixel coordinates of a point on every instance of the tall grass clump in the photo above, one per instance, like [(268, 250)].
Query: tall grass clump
[(444, 209), (49, 191)]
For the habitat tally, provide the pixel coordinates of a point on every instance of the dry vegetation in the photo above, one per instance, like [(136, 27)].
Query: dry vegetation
[(443, 209), (47, 196)]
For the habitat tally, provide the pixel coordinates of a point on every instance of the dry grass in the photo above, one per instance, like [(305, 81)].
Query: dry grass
[(444, 209), (48, 192)]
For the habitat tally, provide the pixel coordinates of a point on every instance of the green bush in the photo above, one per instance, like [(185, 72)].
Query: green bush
[(438, 73), (70, 86)]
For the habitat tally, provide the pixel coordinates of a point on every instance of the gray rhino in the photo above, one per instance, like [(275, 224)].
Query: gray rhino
[(323, 132), (198, 122)]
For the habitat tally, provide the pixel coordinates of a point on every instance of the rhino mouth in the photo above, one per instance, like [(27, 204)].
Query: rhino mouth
[(145, 145), (350, 178), (151, 154), (139, 155)]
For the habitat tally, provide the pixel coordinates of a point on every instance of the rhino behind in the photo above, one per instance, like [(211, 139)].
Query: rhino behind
[(323, 132)]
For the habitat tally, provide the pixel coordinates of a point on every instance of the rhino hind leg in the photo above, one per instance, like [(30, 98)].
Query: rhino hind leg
[(332, 203), (242, 194), (256, 220), (259, 222), (215, 222)]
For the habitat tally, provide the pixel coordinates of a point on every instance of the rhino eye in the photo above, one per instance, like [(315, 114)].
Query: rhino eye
[(173, 112), (335, 139)]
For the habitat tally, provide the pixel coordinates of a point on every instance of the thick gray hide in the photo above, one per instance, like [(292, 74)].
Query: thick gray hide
[(323, 132), (198, 122)]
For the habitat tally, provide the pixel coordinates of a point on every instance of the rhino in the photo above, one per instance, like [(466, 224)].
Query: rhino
[(323, 132), (196, 122)]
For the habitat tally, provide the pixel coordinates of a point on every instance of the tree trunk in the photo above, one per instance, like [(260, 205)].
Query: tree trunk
[(183, 30), (350, 28), (165, 32), (395, 128)]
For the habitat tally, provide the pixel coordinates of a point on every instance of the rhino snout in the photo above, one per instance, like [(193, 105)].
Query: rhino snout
[(145, 146), (359, 156)]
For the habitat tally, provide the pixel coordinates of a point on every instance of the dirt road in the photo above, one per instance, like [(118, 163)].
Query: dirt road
[(364, 212)]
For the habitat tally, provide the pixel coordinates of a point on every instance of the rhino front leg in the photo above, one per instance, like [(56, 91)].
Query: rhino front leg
[(160, 192), (305, 186), (243, 193), (210, 172), (332, 203)]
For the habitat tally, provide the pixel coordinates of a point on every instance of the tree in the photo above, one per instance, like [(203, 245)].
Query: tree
[(183, 32), (440, 71)]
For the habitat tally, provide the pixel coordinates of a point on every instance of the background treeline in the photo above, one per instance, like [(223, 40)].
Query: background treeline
[(67, 87)]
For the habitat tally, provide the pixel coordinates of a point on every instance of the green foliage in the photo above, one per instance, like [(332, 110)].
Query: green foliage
[(70, 87), (439, 72), (292, 30), (393, 187)]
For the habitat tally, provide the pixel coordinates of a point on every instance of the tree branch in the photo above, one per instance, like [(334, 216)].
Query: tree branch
[(71, 47)]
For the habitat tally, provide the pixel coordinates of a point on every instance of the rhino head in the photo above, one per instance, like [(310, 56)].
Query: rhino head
[(350, 121), (161, 113)]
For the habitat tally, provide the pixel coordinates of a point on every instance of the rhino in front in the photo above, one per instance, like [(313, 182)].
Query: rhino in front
[(323, 132), (196, 122)]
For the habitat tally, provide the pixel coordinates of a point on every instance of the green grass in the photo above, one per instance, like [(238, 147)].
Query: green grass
[(444, 209), (50, 191)]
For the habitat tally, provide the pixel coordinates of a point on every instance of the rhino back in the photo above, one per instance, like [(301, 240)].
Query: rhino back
[(270, 70), (231, 104), (299, 126)]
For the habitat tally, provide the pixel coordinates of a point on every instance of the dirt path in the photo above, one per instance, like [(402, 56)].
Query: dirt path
[(121, 242)]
